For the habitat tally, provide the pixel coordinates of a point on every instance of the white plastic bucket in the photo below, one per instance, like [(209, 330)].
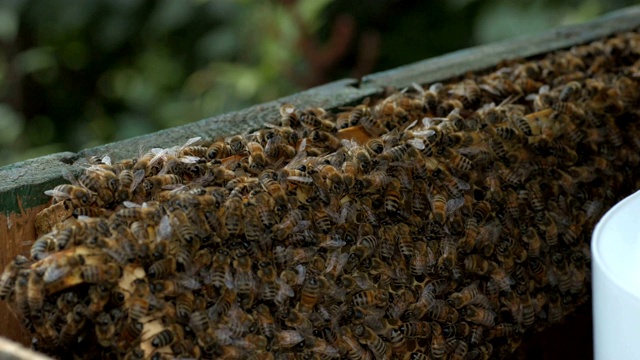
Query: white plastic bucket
[(615, 251)]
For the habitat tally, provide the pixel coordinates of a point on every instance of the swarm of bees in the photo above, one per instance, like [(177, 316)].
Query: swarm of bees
[(438, 222)]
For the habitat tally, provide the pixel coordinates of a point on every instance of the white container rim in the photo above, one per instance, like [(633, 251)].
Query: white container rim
[(597, 238)]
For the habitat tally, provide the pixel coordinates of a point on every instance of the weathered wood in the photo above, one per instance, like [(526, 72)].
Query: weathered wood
[(17, 231)]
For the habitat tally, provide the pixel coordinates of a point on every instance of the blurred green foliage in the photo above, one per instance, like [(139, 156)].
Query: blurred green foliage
[(75, 74)]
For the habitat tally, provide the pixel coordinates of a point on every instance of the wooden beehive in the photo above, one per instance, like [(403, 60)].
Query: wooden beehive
[(23, 184)]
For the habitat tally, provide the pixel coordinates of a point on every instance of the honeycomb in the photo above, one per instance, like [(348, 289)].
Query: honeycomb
[(439, 221)]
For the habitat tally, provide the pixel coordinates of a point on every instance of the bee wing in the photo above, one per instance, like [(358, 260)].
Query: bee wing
[(160, 153), (301, 179), (332, 243), (363, 282), (55, 273), (229, 282), (411, 125), (416, 143), (130, 204), (322, 347), (189, 159), (302, 273), (427, 122), (138, 176), (284, 288), (454, 204), (175, 187), (463, 185), (68, 175), (190, 283), (471, 150), (510, 100), (345, 210), (531, 97), (303, 145), (57, 194), (165, 228), (417, 87), (287, 108), (191, 141), (106, 159), (593, 209), (435, 87), (348, 143), (301, 226), (288, 338)]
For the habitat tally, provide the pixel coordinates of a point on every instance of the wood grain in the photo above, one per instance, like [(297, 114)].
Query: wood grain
[(17, 233)]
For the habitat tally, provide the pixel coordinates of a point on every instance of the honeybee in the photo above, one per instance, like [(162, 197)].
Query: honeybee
[(438, 207), (287, 339), (10, 274), (233, 214), (79, 196), (368, 337), (167, 336), (154, 184), (105, 329), (317, 118), (75, 322), (95, 274), (437, 341), (257, 158), (457, 161), (298, 321), (477, 264), (265, 320), (162, 268), (446, 107), (531, 237), (449, 257), (35, 292), (463, 139), (440, 311), (264, 203), (372, 297), (103, 183), (288, 116), (478, 315), (139, 302), (219, 150), (460, 351), (372, 125), (244, 281), (130, 334), (310, 295), (325, 140), (268, 179), (465, 296), (392, 196), (128, 182), (43, 246), (292, 222)]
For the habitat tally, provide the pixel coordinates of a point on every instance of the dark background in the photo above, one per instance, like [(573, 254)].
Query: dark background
[(75, 74)]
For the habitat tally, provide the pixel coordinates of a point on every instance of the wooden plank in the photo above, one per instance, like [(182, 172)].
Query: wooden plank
[(17, 231), (485, 56)]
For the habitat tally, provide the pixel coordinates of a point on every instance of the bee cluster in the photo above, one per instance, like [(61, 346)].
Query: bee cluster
[(439, 222)]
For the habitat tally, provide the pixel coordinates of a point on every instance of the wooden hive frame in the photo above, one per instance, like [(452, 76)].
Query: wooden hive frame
[(22, 185)]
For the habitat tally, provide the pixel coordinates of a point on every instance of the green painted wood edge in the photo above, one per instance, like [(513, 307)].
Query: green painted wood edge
[(29, 179), (485, 56)]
